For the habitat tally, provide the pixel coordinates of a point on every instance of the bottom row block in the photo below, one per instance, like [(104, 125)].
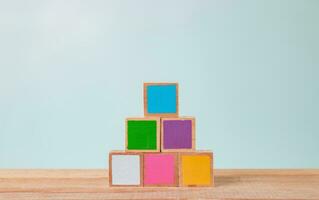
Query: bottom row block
[(161, 169)]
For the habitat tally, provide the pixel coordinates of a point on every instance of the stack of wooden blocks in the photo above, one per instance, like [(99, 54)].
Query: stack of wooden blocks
[(160, 147)]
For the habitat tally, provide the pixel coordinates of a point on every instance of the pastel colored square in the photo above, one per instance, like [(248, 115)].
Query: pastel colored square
[(160, 99), (178, 133), (142, 134), (160, 169), (125, 170), (196, 169)]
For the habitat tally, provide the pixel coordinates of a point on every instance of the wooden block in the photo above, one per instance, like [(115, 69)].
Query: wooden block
[(125, 168), (196, 168), (142, 134), (178, 134), (160, 169), (161, 99)]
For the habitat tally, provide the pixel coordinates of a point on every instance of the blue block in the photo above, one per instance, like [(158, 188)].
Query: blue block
[(161, 99)]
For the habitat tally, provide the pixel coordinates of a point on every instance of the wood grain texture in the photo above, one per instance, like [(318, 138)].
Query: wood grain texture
[(93, 184)]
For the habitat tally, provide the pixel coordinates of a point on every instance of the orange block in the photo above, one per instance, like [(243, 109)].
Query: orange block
[(196, 169)]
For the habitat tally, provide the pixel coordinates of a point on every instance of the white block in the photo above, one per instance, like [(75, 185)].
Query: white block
[(126, 170)]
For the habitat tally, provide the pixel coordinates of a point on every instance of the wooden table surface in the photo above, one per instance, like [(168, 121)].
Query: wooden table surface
[(93, 184)]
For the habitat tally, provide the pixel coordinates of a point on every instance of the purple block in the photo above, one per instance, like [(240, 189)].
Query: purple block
[(177, 134)]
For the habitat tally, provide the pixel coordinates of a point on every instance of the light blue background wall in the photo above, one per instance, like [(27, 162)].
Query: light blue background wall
[(71, 71)]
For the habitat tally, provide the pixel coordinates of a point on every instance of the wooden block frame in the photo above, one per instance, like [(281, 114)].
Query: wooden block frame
[(176, 168), (126, 154), (179, 149), (158, 132), (207, 153), (146, 99)]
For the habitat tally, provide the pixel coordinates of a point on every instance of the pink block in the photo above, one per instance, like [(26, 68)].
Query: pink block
[(159, 169)]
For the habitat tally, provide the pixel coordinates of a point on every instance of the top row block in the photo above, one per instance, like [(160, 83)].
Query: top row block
[(161, 99)]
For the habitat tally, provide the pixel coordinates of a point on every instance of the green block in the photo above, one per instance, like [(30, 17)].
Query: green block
[(141, 134)]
